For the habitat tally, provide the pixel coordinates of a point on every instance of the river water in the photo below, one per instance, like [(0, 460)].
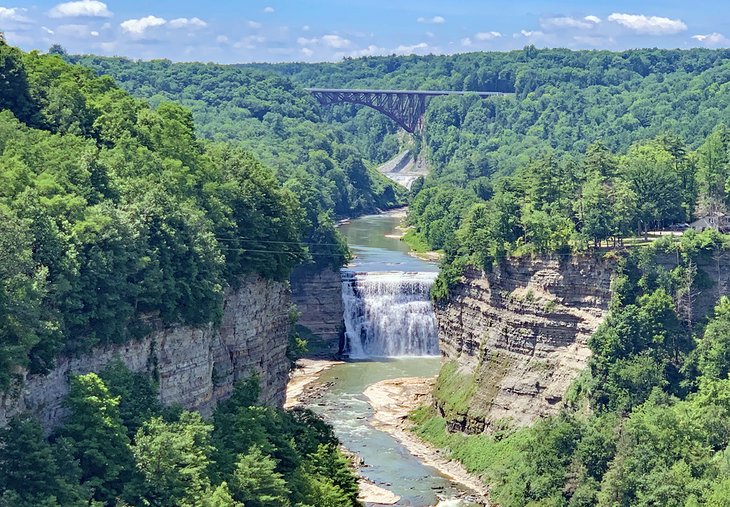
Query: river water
[(384, 262)]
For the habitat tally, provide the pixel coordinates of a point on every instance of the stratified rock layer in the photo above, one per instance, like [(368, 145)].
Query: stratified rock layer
[(517, 338), (318, 297), (195, 366)]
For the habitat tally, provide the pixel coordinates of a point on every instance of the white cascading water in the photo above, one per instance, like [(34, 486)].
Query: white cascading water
[(389, 314)]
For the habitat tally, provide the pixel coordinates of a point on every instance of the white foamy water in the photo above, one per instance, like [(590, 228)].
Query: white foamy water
[(389, 314)]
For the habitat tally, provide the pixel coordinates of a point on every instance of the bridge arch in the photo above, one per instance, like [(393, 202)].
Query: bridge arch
[(405, 107)]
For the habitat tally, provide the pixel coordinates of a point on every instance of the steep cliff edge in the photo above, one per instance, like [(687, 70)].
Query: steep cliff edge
[(318, 297), (195, 366), (515, 338)]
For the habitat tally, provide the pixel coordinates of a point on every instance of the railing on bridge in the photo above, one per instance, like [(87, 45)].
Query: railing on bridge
[(405, 107)]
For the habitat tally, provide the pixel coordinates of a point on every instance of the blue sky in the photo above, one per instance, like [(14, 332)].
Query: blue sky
[(327, 30)]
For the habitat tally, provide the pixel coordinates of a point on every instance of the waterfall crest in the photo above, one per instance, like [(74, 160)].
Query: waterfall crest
[(389, 314)]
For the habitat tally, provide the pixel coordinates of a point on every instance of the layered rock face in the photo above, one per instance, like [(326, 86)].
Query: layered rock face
[(318, 297), (514, 339), (195, 366)]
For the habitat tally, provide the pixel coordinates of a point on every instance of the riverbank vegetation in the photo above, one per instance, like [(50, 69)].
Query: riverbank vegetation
[(119, 446)]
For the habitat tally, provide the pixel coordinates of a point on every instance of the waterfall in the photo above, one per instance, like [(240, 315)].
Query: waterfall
[(389, 314)]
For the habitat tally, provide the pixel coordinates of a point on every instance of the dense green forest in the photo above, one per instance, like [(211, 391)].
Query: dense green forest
[(593, 145), (116, 208), (647, 423), (119, 447), (328, 164), (113, 211)]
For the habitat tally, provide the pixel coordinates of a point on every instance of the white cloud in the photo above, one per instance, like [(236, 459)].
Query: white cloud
[(529, 34), (10, 14), (94, 33), (139, 26), (108, 47), (221, 39), (371, 50), (268, 10), (652, 25), (569, 22), (15, 38), (306, 28), (82, 8), (712, 39), (307, 52), (466, 41), (185, 22), (330, 40), (253, 24), (335, 41), (436, 20), (78, 31), (250, 42), (592, 40), (421, 47), (47, 30), (487, 35)]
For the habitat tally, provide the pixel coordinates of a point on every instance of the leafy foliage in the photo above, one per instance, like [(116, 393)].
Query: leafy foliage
[(174, 458), (114, 212)]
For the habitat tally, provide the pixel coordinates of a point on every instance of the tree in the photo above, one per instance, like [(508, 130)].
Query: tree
[(221, 497), (256, 482), (174, 458), (98, 438), (14, 87), (648, 170), (29, 470)]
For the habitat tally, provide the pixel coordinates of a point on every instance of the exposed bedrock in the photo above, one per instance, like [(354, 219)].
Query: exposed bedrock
[(195, 366), (514, 339), (318, 297)]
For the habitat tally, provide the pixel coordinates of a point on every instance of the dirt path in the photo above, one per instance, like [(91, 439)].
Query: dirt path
[(392, 401)]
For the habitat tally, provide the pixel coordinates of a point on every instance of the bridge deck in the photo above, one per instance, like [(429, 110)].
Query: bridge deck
[(428, 93)]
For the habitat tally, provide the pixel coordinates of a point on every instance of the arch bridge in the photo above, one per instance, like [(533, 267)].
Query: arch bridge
[(405, 107)]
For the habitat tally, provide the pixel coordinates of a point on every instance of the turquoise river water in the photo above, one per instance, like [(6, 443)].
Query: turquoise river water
[(387, 463)]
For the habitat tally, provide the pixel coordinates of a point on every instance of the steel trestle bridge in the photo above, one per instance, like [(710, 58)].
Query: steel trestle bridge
[(405, 107)]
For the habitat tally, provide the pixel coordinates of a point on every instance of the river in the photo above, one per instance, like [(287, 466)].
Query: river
[(382, 261)]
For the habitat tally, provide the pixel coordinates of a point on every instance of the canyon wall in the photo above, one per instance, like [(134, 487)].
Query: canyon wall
[(514, 339), (195, 366), (318, 297)]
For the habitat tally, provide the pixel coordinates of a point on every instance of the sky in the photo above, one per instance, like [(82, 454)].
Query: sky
[(229, 31)]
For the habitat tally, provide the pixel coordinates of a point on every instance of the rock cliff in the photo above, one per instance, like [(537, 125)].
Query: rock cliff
[(515, 338), (195, 366), (318, 297)]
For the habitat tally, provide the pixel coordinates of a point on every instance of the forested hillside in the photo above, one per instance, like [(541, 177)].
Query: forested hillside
[(327, 165), (595, 147), (112, 214), (638, 135), (112, 210), (646, 424)]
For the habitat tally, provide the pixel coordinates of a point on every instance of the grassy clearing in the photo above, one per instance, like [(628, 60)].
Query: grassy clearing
[(413, 240), (487, 456)]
